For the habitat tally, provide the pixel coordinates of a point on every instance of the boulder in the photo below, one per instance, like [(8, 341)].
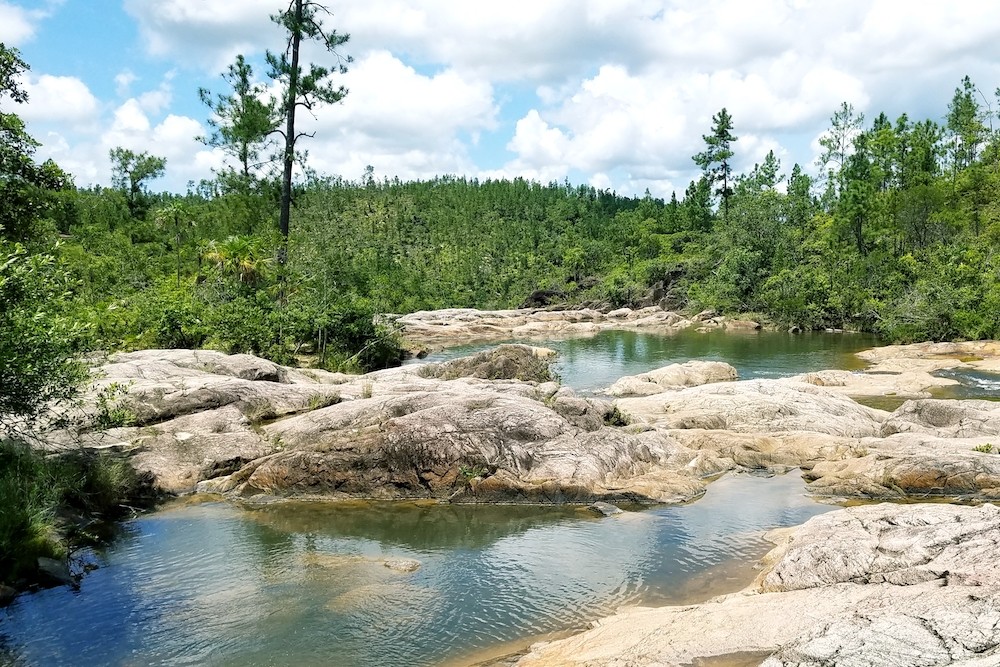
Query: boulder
[(463, 442), (756, 406), (945, 418), (674, 376), (901, 384), (506, 362), (909, 464)]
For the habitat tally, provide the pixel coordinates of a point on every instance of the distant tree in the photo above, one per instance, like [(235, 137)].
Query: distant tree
[(715, 159), (837, 143), (299, 88), (129, 173), (25, 187), (175, 214), (242, 122), (965, 125)]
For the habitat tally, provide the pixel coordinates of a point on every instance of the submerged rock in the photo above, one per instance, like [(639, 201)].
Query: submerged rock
[(604, 509)]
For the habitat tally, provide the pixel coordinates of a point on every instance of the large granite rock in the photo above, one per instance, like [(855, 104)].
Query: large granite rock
[(464, 324), (945, 418), (756, 406), (465, 442), (675, 376), (875, 585)]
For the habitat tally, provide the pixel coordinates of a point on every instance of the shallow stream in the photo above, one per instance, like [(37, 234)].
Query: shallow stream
[(305, 584), (202, 582)]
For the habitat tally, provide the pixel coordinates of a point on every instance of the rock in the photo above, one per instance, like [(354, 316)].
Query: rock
[(604, 509), (463, 324), (543, 297), (756, 406), (945, 418), (55, 571), (402, 564), (674, 376), (909, 465), (7, 595), (417, 444), (873, 585), (741, 325), (705, 315), (907, 384), (506, 362)]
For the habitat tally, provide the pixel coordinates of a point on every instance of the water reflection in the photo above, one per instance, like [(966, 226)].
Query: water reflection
[(595, 362), (307, 583)]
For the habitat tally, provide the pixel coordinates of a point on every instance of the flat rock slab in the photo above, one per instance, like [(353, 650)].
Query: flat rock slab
[(864, 586)]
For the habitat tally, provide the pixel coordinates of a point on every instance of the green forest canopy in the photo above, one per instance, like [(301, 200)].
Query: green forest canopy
[(897, 237)]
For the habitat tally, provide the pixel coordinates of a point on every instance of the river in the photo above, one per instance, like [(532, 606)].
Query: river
[(203, 582)]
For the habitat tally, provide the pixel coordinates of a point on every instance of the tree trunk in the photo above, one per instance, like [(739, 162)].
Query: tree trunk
[(289, 157)]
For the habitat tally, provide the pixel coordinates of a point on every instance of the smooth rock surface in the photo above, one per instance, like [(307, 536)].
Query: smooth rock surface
[(675, 376), (875, 585), (466, 324), (756, 406)]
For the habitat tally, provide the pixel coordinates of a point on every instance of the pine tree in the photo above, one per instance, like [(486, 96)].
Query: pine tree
[(715, 159)]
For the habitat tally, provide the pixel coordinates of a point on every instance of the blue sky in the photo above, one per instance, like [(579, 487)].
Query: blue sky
[(615, 93)]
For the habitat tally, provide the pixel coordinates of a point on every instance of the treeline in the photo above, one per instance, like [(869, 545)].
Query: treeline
[(896, 238)]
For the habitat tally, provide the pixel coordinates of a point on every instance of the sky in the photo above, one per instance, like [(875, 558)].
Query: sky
[(612, 93)]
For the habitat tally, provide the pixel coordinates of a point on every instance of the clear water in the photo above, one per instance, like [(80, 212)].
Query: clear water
[(594, 363), (972, 384), (212, 584)]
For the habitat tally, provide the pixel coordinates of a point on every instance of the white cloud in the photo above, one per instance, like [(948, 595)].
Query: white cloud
[(207, 34), (617, 93), (124, 81), (402, 122), (59, 99), (17, 25)]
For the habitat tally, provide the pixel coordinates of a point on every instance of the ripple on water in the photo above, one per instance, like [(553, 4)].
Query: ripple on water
[(212, 584)]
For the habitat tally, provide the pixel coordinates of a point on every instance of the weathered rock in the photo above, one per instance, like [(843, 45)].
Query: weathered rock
[(909, 464), (506, 362), (467, 324), (7, 595), (180, 452), (741, 325), (876, 585), (604, 509), (419, 444), (402, 564), (763, 406), (674, 376), (944, 418), (902, 384)]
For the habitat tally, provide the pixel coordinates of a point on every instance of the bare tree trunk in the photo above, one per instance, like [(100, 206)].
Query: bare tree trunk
[(289, 157)]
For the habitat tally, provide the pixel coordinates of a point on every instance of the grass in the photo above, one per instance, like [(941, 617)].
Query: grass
[(617, 418), (49, 500)]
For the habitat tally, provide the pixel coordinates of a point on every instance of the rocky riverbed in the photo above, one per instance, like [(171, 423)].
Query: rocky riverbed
[(906, 580)]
